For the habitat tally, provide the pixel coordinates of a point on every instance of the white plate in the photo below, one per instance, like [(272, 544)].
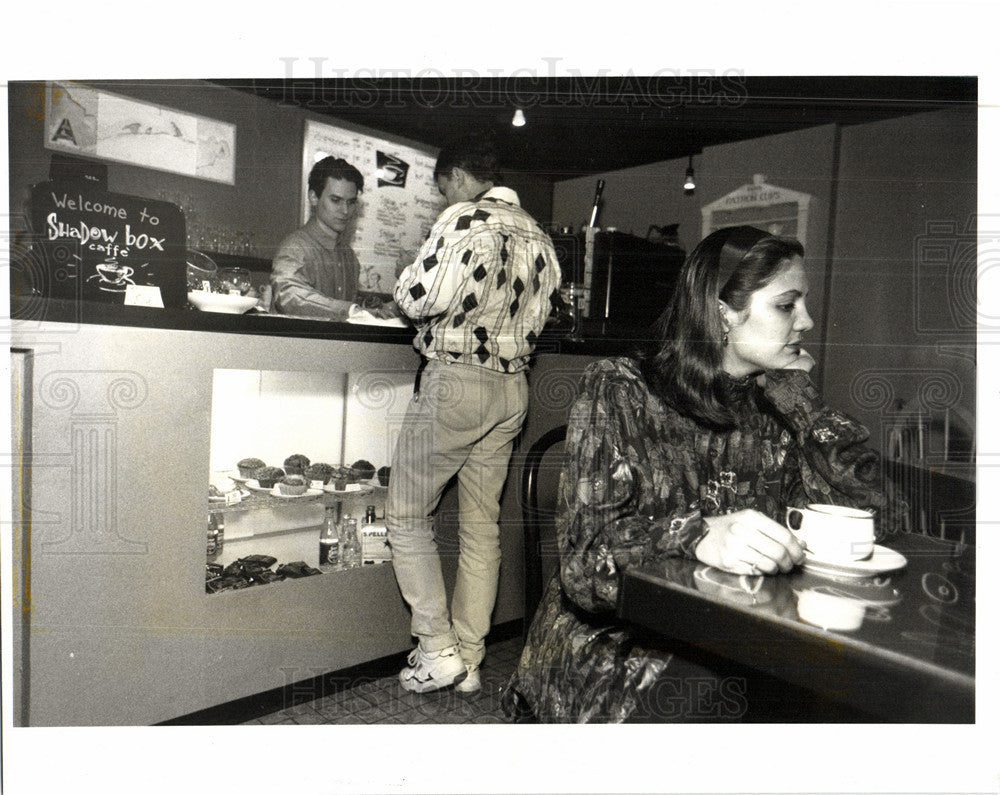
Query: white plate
[(307, 493), (882, 560), (253, 485), (351, 487), (221, 302)]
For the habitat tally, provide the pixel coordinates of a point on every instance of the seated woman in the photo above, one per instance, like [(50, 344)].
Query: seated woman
[(693, 449)]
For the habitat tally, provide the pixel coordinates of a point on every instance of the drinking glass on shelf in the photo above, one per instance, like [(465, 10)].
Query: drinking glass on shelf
[(235, 281), (202, 272)]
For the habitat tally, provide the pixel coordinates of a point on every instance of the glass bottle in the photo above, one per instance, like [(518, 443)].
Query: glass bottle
[(350, 544), (329, 541), (216, 535)]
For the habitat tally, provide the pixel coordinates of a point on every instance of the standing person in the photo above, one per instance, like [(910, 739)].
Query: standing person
[(479, 293), (315, 272), (693, 450)]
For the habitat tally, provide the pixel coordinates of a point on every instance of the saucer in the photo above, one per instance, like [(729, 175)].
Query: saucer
[(880, 561)]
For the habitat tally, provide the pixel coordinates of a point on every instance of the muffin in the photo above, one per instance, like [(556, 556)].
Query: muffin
[(341, 476), (248, 467), (363, 470), (296, 464), (383, 475), (320, 472), (291, 485), (268, 476), (349, 475)]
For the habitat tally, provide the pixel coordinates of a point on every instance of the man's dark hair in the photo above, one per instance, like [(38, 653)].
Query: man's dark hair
[(333, 168), (475, 153)]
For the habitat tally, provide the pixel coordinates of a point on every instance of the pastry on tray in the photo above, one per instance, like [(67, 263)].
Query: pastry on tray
[(291, 485), (342, 476), (248, 467), (296, 464), (363, 470), (320, 472), (268, 476)]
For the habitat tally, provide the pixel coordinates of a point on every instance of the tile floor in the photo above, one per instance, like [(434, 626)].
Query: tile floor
[(382, 700)]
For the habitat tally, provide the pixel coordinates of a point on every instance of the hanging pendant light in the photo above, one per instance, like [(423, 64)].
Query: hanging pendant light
[(519, 120), (689, 176)]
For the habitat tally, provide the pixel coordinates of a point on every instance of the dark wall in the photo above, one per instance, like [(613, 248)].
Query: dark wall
[(902, 316), (265, 199), (634, 198)]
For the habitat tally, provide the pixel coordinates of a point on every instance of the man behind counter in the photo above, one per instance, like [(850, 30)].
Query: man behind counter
[(315, 272)]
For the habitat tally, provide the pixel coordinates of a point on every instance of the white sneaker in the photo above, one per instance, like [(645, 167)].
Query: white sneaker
[(429, 671), (472, 683)]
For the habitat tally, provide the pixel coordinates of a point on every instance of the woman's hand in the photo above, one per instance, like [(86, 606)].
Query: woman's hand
[(747, 542)]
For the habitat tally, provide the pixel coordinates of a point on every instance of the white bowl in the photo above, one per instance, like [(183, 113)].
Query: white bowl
[(221, 302)]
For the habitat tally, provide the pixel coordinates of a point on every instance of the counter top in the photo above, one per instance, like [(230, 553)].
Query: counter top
[(595, 339), (40, 310), (899, 645)]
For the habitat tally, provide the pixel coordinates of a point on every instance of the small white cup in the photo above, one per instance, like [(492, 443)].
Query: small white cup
[(829, 611), (834, 533)]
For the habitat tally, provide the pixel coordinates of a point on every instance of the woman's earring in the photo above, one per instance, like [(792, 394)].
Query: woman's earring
[(725, 339)]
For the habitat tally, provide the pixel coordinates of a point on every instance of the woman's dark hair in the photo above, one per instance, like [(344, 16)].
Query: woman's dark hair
[(333, 168), (684, 363)]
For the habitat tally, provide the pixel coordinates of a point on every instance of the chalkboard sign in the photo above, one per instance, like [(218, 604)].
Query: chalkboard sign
[(92, 245)]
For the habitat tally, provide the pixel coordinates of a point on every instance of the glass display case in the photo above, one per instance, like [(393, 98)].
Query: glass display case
[(287, 448)]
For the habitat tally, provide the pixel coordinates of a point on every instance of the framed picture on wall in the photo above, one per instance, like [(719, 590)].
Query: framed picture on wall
[(779, 211), (95, 123)]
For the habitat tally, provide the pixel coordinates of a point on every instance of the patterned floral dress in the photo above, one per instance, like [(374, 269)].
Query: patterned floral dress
[(638, 481)]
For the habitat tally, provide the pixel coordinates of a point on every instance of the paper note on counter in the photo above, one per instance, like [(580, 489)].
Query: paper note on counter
[(358, 315)]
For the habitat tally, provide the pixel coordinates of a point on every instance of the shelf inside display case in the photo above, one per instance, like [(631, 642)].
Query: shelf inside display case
[(267, 539), (258, 500), (320, 423)]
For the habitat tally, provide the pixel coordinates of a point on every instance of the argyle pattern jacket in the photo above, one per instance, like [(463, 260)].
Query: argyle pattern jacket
[(482, 285)]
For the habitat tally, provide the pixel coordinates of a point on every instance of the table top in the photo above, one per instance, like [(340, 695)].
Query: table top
[(900, 645)]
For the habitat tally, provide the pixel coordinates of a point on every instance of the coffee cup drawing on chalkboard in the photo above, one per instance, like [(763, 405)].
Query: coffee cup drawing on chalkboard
[(96, 246), (112, 276)]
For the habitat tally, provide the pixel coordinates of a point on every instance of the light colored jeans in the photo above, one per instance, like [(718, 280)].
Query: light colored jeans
[(464, 421)]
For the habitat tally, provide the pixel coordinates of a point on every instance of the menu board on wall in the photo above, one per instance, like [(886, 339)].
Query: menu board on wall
[(398, 207), (89, 244)]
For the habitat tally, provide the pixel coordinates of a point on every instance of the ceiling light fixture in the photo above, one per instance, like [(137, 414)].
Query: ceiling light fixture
[(689, 176), (519, 120)]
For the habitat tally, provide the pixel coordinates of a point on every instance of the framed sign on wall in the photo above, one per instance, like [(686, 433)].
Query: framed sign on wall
[(96, 123), (399, 204), (779, 211)]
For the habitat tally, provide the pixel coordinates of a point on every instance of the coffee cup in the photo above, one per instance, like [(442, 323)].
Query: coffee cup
[(112, 272), (833, 533)]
